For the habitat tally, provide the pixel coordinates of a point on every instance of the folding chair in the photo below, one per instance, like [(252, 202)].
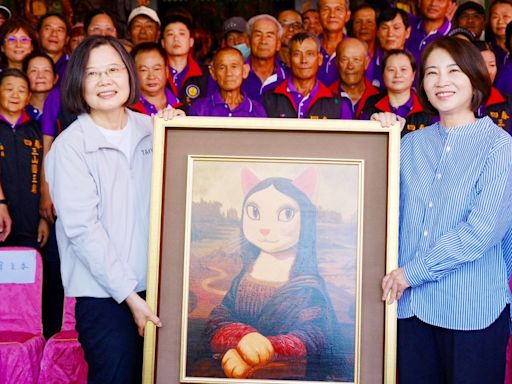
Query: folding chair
[(21, 329), (63, 359)]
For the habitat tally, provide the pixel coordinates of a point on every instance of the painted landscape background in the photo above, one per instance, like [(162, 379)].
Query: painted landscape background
[(214, 258)]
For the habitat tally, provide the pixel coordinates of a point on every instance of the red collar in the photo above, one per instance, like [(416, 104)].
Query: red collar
[(384, 106), (495, 97), (194, 70), (322, 92), (369, 90)]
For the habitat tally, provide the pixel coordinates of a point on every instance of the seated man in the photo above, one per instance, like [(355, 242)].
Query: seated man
[(352, 60), (228, 70), (149, 60), (303, 95)]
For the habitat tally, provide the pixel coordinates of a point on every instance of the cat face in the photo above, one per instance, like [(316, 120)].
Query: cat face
[(271, 220)]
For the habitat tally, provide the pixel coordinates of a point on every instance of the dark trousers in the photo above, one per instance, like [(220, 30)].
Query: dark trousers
[(53, 292), (433, 355), (111, 343)]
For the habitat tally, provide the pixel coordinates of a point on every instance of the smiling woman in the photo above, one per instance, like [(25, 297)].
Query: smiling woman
[(455, 192), (99, 172), (18, 39)]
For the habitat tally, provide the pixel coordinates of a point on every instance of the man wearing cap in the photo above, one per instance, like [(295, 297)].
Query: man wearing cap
[(143, 25), (234, 34), (5, 14), (471, 16), (265, 40)]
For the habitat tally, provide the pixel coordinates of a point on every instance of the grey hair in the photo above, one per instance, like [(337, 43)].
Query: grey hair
[(264, 16)]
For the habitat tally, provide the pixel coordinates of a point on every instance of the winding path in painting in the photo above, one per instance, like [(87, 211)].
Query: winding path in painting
[(221, 274)]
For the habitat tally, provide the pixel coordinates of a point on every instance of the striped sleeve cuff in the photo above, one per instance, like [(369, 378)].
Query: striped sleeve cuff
[(416, 272)]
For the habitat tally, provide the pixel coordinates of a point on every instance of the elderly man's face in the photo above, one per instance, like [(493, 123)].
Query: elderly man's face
[(264, 39), (228, 70), (305, 59), (364, 25), (333, 15), (352, 60), (291, 22), (143, 29)]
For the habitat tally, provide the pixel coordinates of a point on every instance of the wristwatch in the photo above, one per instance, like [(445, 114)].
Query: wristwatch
[(3, 201)]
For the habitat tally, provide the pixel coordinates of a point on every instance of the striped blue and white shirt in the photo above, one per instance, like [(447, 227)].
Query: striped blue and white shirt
[(455, 207)]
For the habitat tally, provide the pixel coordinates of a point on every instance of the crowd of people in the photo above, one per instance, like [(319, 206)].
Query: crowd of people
[(68, 97)]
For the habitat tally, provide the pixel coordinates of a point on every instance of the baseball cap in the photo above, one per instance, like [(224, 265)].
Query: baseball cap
[(5, 11), (143, 11), (469, 5), (236, 23)]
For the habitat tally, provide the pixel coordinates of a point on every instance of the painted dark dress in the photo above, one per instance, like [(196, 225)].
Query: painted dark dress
[(299, 309)]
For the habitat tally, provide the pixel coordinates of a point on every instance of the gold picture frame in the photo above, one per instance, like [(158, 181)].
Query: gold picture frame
[(181, 142)]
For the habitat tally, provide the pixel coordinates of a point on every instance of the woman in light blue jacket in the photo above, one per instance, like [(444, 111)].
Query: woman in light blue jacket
[(99, 173)]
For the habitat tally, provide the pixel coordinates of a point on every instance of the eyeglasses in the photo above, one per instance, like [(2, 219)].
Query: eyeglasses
[(22, 40), (101, 30), (112, 72), (294, 24)]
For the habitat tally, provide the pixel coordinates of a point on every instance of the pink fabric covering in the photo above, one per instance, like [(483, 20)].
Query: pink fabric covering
[(508, 370), (68, 318), (21, 339), (63, 359)]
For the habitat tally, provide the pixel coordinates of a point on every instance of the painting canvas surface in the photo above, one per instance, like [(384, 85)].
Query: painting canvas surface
[(218, 277)]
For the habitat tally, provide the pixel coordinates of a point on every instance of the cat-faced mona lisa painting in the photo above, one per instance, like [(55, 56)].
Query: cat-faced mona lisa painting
[(272, 266)]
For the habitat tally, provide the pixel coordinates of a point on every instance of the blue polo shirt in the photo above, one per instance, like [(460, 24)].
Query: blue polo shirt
[(374, 71), (420, 38), (61, 66), (145, 107), (214, 105), (255, 88), (328, 71)]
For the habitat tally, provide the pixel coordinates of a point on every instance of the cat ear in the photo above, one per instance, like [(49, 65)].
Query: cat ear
[(306, 182), (249, 180)]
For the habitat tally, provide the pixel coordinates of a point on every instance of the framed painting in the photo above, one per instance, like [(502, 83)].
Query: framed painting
[(268, 240)]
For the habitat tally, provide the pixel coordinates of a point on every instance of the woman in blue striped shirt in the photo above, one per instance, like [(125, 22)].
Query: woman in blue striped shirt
[(455, 207)]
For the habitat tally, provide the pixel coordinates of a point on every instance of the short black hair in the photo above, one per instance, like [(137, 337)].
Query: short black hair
[(34, 55), (149, 46), (396, 52), (54, 14), (176, 18), (508, 38), (73, 83), (301, 36), (95, 12), (469, 60), (389, 14), (14, 72)]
